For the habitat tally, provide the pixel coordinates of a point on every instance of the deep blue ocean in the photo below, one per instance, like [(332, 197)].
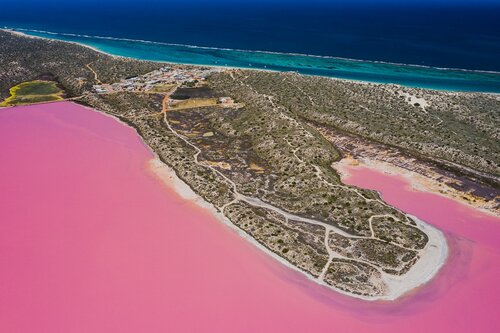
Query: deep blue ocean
[(460, 37)]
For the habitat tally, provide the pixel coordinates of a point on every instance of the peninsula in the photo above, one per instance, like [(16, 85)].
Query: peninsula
[(266, 149)]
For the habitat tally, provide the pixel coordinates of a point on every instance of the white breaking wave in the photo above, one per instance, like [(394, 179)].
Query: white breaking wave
[(457, 70)]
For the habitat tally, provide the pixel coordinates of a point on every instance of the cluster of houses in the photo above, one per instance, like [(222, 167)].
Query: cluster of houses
[(164, 75)]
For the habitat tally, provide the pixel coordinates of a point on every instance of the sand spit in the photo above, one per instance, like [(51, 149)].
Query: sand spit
[(433, 256)]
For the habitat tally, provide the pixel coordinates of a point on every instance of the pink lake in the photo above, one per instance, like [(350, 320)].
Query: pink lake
[(91, 241)]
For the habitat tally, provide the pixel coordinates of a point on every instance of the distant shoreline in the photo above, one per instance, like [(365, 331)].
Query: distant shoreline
[(248, 50), (418, 76)]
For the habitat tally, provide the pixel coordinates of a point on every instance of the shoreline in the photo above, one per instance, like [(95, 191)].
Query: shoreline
[(229, 68), (428, 266), (416, 181), (422, 272), (400, 286), (455, 69), (419, 274), (19, 33), (22, 34)]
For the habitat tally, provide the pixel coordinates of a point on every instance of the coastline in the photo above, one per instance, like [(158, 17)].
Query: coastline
[(222, 218), (427, 267), (250, 51), (227, 68), (419, 274), (430, 261), (19, 33), (161, 274), (434, 256), (422, 272), (22, 34), (233, 67), (417, 182)]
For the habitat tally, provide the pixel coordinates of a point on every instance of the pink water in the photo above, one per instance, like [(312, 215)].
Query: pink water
[(90, 241)]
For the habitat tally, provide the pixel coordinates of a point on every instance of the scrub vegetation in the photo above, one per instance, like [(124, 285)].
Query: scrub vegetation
[(250, 144)]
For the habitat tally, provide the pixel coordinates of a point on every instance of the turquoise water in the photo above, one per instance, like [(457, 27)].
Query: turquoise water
[(380, 72)]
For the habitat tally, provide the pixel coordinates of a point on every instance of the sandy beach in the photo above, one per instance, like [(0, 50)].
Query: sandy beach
[(250, 167), (418, 182), (19, 33), (145, 257), (356, 81), (433, 256)]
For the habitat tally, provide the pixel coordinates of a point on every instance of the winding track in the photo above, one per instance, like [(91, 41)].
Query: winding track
[(256, 202), (96, 78)]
